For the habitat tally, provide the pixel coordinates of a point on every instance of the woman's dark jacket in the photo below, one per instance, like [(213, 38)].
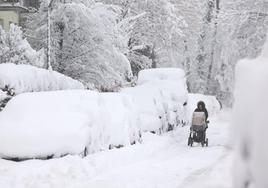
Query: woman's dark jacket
[(203, 109)]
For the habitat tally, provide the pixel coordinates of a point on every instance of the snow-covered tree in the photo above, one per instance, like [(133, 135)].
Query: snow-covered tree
[(242, 27), (36, 26), (189, 48), (160, 29), (87, 42), (155, 35), (16, 49), (99, 41)]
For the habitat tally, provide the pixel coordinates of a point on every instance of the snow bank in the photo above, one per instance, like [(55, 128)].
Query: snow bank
[(66, 122), (250, 122), (212, 104), (160, 96), (160, 74), (27, 78)]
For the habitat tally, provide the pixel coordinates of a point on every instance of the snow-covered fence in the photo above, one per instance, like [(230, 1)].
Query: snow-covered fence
[(250, 123), (66, 122), (160, 96)]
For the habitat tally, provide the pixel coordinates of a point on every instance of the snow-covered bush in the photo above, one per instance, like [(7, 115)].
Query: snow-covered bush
[(15, 49), (160, 97), (27, 78), (212, 104), (66, 122), (250, 122)]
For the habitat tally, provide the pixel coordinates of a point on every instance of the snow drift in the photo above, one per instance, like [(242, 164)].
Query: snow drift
[(160, 96), (250, 122), (27, 78), (36, 125)]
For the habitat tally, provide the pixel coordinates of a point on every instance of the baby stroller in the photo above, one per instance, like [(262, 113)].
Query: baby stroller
[(198, 129)]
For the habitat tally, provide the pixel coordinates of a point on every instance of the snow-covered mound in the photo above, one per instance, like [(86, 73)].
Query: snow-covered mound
[(160, 74), (27, 78), (160, 97), (66, 122), (250, 122), (212, 104)]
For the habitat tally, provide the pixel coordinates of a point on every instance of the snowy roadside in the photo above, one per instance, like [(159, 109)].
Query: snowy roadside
[(160, 161)]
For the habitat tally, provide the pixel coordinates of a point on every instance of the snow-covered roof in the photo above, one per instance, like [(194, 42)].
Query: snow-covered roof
[(21, 5), (13, 7)]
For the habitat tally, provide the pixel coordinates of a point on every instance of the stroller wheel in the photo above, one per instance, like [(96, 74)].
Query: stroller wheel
[(191, 144), (189, 140)]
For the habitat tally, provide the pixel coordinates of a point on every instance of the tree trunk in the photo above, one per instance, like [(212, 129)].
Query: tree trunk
[(153, 57), (210, 69)]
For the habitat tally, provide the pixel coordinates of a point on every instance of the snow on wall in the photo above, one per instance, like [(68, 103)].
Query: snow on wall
[(250, 123), (159, 96), (36, 125), (27, 78)]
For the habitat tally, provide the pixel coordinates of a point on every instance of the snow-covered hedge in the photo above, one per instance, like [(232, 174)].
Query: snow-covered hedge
[(37, 125), (250, 122), (212, 104), (27, 78), (160, 97)]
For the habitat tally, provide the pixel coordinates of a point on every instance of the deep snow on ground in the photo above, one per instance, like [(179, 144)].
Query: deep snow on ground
[(159, 162)]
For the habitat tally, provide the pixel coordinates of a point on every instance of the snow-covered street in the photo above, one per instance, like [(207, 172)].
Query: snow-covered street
[(133, 93), (159, 162)]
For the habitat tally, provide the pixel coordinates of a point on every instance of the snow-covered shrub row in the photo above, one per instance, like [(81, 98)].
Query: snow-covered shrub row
[(212, 104), (37, 125), (250, 122), (15, 49), (27, 78), (160, 96)]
